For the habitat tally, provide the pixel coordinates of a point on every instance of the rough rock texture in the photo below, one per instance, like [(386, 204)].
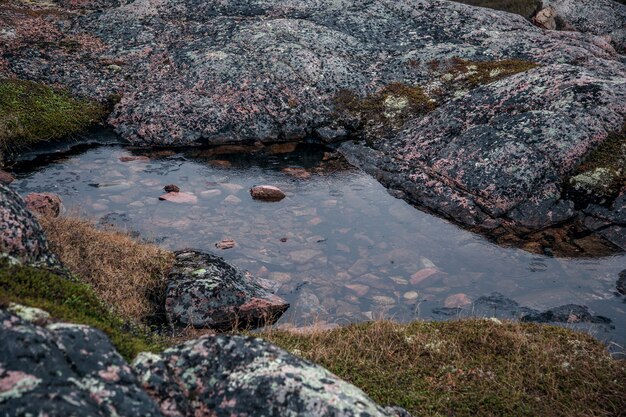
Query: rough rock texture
[(45, 204), (244, 376), (492, 156), (600, 17), (204, 291), (6, 178), (267, 193), (621, 282), (64, 370), (21, 236)]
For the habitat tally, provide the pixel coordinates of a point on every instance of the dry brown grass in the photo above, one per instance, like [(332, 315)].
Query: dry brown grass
[(127, 274), (470, 367)]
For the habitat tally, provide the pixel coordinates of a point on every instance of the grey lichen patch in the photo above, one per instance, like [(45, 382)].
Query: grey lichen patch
[(31, 314)]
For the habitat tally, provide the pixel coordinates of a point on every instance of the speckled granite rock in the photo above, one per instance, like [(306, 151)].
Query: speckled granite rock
[(64, 370), (45, 204), (600, 17), (21, 237), (204, 291), (491, 155), (234, 375)]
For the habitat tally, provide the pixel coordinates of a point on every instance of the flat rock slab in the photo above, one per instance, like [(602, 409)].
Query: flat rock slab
[(205, 292), (227, 375), (65, 370)]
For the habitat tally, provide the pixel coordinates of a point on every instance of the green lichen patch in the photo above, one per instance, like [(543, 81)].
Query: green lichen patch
[(388, 108), (471, 74), (602, 174), (32, 112), (470, 367), (73, 302), (526, 8)]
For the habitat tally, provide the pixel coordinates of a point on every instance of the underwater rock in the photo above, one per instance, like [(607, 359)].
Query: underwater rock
[(65, 370), (570, 313), (621, 282), (266, 193), (225, 244), (171, 188), (133, 158), (44, 204), (228, 375), (204, 291), (179, 197)]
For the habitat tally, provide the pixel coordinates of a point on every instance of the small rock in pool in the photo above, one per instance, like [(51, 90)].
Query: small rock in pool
[(171, 188), (299, 173), (131, 158), (6, 178), (182, 198), (45, 204), (225, 244), (267, 193), (457, 301)]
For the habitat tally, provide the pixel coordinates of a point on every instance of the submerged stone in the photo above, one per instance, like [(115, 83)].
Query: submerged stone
[(204, 291), (267, 193)]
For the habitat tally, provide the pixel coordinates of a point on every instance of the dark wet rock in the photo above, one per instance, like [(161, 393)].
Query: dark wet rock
[(204, 291), (171, 188), (21, 236), (621, 282), (44, 204), (497, 305), (6, 178), (65, 370), (599, 17), (570, 313), (225, 375), (267, 193)]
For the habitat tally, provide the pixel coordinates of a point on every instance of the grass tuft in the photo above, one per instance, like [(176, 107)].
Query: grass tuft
[(470, 367), (73, 302), (32, 112), (125, 273)]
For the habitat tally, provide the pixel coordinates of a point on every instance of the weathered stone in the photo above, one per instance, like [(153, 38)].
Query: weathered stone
[(226, 375), (6, 178), (20, 235), (179, 197), (204, 291), (44, 204), (457, 300), (171, 188), (599, 17), (133, 158), (423, 274), (267, 193), (65, 370), (570, 313), (545, 18), (225, 244)]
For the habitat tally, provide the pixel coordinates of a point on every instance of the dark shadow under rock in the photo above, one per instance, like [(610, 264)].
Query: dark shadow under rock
[(205, 292), (225, 375)]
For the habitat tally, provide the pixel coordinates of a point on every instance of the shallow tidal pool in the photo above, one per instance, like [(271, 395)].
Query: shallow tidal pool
[(339, 247)]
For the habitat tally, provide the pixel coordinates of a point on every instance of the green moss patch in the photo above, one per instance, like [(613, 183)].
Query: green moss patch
[(388, 108), (526, 8), (471, 74), (602, 174), (470, 367), (73, 302), (31, 112)]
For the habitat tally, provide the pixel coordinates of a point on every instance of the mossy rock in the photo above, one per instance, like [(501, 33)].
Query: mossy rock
[(31, 112), (71, 301), (602, 174)]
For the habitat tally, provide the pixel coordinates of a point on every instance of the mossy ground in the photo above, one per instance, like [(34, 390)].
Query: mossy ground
[(470, 367), (74, 302), (525, 8), (32, 112)]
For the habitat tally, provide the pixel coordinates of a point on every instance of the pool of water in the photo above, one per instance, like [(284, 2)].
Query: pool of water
[(340, 248)]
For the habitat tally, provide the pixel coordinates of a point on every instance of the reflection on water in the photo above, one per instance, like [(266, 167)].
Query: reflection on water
[(340, 247)]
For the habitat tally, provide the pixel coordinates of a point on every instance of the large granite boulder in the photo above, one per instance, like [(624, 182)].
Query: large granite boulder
[(600, 17), (61, 369), (21, 237), (494, 154), (226, 375), (203, 291)]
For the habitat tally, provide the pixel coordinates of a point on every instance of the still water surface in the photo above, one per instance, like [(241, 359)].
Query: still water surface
[(339, 246)]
